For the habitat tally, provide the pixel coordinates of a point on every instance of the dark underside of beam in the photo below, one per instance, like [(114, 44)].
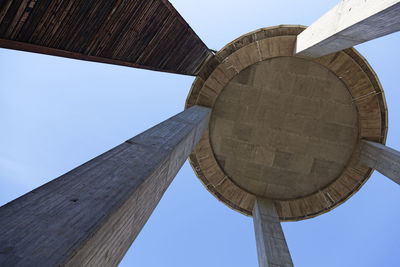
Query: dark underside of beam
[(147, 34)]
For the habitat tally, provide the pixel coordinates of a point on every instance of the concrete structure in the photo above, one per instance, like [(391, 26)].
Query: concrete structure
[(272, 249), (350, 23), (91, 215), (285, 128), (289, 136), (382, 158)]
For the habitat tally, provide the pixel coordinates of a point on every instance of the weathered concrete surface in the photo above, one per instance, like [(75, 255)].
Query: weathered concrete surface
[(349, 23), (272, 249), (382, 158), (297, 135), (91, 215), (284, 128)]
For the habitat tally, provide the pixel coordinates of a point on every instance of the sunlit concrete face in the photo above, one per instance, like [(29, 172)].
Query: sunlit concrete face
[(284, 128)]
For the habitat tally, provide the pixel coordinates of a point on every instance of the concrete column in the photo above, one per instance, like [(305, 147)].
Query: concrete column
[(91, 215), (349, 23), (272, 249), (382, 158)]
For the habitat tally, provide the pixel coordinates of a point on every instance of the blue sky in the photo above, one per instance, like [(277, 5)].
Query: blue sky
[(58, 113)]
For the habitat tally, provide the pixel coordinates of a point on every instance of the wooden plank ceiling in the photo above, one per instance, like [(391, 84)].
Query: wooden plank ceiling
[(148, 34)]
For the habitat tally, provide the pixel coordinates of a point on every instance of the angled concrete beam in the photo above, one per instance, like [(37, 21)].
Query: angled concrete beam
[(349, 23), (382, 158), (91, 215), (272, 249)]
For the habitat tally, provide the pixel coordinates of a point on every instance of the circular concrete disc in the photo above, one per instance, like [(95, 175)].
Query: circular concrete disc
[(283, 127)]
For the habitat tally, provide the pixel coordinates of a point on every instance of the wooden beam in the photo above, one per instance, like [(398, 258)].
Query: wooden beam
[(91, 215), (382, 158), (272, 249), (349, 23), (147, 34), (26, 47)]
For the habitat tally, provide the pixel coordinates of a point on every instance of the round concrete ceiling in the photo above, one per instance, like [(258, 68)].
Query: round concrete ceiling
[(283, 127)]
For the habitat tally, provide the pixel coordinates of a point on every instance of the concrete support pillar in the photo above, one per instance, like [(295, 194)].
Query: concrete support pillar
[(91, 215), (272, 249), (382, 158), (349, 23)]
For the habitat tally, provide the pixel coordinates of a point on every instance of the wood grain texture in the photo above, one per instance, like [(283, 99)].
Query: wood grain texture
[(91, 215), (349, 66), (135, 33)]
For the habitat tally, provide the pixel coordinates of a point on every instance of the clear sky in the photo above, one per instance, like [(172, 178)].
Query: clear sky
[(57, 113)]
